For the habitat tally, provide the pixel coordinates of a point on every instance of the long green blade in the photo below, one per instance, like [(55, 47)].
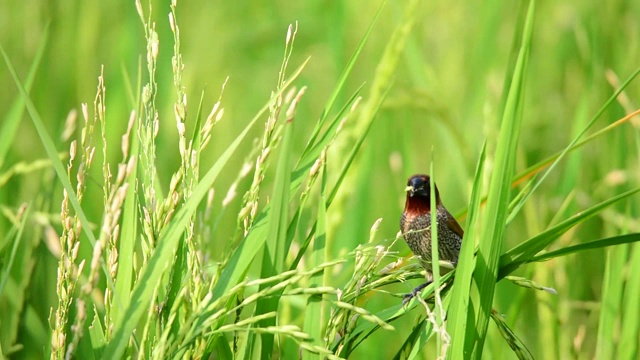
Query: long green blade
[(458, 310), (492, 240)]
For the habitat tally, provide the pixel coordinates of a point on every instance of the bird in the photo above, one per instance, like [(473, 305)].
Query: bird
[(415, 225)]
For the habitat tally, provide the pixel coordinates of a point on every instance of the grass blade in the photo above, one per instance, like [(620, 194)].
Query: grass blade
[(611, 302), (17, 230), (518, 347), (591, 245), (52, 152), (343, 78), (628, 346), (499, 187), (525, 251), (14, 116), (458, 310), (127, 243), (315, 312), (274, 252)]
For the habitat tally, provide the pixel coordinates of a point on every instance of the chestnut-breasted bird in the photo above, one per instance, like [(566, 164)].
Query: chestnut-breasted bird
[(415, 225)]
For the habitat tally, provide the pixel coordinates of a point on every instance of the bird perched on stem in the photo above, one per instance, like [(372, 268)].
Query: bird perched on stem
[(415, 225)]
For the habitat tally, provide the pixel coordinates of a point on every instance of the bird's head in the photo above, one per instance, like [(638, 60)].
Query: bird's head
[(419, 191)]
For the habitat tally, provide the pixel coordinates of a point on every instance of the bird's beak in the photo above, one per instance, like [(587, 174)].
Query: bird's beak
[(410, 190)]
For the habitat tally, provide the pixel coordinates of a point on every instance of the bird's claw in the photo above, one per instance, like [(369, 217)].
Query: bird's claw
[(407, 297)]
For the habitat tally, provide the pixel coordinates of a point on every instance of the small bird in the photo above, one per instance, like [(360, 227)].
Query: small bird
[(415, 225)]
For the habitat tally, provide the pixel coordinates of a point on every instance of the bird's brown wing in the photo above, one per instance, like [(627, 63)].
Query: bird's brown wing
[(453, 225)]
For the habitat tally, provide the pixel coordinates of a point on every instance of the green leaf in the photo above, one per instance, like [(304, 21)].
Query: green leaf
[(518, 347), (275, 252), (419, 332), (492, 239), (526, 251), (96, 335), (458, 310), (127, 243), (315, 313), (630, 327), (342, 80), (14, 116), (52, 153), (16, 233), (611, 301), (590, 245)]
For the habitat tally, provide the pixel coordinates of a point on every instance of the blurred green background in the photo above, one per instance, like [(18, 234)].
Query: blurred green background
[(446, 96)]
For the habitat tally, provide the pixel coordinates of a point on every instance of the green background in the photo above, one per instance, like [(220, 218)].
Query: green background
[(446, 97)]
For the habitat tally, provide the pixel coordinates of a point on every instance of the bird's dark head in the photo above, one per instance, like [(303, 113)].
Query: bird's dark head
[(419, 192)]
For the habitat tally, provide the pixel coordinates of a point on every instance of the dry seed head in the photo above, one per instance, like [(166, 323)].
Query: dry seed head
[(59, 340), (341, 125), (70, 239), (355, 104), (97, 251), (380, 252), (156, 127), (294, 103), (81, 314), (290, 94), (390, 267), (52, 240), (74, 251), (219, 116), (154, 43), (72, 150), (175, 180), (81, 267), (289, 30), (92, 152), (122, 193), (246, 168), (360, 284), (69, 125), (172, 23), (182, 146), (265, 153), (85, 112), (245, 210), (78, 228), (146, 93), (139, 8), (122, 171), (175, 197), (316, 167), (213, 112), (131, 165), (230, 194), (79, 174), (180, 124), (115, 234), (194, 158), (375, 227), (106, 225), (210, 195)]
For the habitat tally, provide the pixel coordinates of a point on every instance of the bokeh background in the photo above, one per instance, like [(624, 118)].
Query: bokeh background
[(445, 97)]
